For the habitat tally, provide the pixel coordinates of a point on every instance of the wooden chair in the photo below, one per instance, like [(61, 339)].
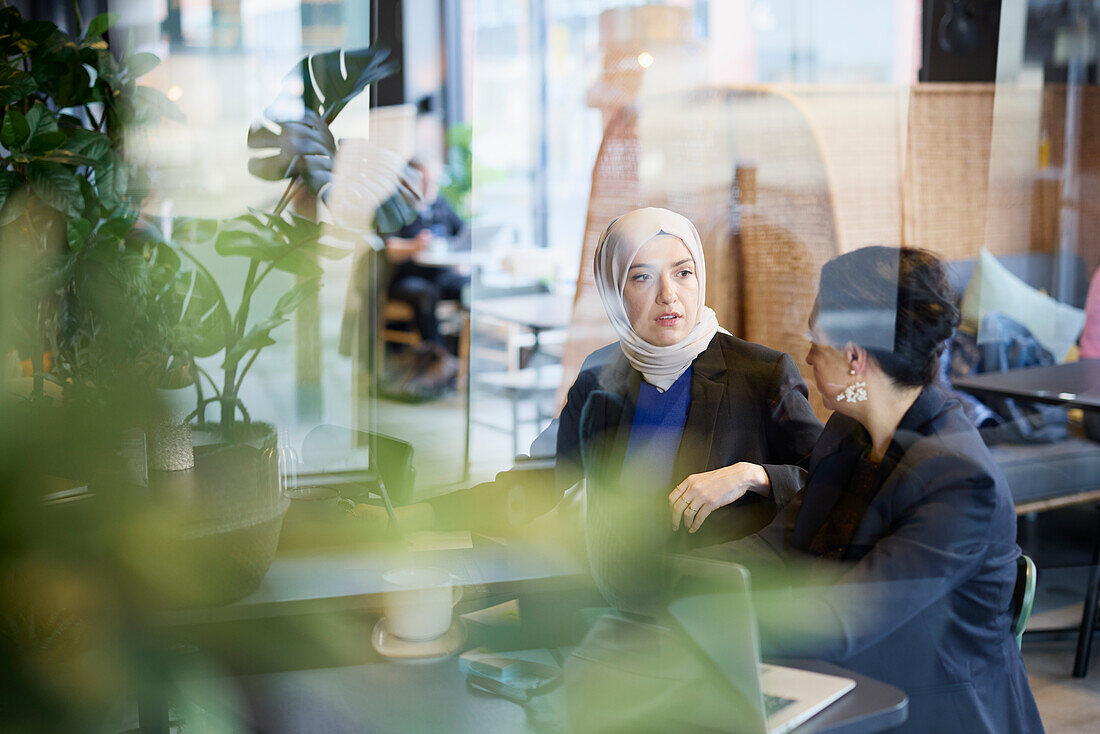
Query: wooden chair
[(399, 313)]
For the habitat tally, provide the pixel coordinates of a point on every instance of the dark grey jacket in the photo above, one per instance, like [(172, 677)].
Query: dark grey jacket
[(748, 403), (928, 605)]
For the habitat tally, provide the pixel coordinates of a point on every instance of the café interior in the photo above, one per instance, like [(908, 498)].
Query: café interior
[(294, 294)]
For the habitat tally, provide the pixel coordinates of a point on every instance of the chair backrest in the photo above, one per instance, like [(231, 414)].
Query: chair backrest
[(1023, 596)]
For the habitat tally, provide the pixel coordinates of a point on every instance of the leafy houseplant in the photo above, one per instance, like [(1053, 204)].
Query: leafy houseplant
[(458, 173), (300, 149), (69, 205)]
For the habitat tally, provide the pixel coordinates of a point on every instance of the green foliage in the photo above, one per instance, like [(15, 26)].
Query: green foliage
[(458, 174), (294, 144), (69, 202)]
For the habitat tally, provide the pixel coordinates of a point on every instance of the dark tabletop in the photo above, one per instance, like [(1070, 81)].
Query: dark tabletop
[(1074, 384), (433, 696)]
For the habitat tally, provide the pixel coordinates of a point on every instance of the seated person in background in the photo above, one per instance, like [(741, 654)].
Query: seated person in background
[(424, 286), (678, 414), (906, 517)]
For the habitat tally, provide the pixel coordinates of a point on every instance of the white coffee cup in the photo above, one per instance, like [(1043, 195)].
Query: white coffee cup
[(417, 602)]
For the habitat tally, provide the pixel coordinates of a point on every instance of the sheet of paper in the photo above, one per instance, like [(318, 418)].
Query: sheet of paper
[(439, 540), (506, 613)]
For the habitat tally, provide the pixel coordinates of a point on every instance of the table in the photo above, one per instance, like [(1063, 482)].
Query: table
[(1073, 385), (364, 692), (538, 313), (432, 696)]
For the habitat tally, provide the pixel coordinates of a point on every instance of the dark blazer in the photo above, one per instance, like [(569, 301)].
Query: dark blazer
[(928, 605), (748, 403)]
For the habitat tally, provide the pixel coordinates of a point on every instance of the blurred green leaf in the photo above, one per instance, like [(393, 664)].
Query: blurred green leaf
[(57, 186), (98, 25), (15, 130), (141, 63), (152, 105), (43, 143), (15, 204), (15, 85), (76, 232), (298, 262), (8, 181), (67, 158), (204, 319), (118, 226), (242, 237), (306, 148), (40, 120), (194, 231), (111, 177), (259, 335), (88, 143), (340, 76)]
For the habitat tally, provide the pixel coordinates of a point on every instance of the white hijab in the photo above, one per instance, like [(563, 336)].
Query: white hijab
[(620, 242)]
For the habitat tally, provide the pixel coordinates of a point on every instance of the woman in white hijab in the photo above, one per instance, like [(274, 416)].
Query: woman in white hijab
[(678, 410), (679, 407)]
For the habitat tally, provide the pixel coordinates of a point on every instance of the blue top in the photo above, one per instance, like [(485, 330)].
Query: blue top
[(659, 419)]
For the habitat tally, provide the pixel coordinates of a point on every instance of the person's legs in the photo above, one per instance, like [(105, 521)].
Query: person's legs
[(451, 282), (422, 295)]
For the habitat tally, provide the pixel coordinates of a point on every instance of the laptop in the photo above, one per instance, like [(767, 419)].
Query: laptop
[(774, 699)]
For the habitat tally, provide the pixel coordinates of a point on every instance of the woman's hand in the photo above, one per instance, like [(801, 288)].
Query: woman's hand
[(701, 494)]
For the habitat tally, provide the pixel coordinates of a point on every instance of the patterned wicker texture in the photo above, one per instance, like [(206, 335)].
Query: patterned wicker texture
[(614, 190), (777, 204), (862, 129), (1086, 203), (947, 193), (824, 170)]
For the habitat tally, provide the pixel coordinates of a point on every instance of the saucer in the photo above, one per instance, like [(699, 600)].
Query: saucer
[(391, 646)]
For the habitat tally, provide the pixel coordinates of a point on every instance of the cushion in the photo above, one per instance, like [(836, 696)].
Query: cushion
[(993, 287), (1042, 471)]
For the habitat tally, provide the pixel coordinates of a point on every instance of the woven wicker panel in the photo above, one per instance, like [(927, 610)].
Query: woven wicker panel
[(862, 133), (785, 240), (687, 145), (614, 191), (1013, 170), (947, 171), (1088, 161)]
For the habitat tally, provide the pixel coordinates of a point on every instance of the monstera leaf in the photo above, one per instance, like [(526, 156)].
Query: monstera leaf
[(326, 82), (374, 188), (306, 149)]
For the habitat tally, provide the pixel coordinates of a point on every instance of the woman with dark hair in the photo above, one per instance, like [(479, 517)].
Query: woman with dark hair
[(905, 515)]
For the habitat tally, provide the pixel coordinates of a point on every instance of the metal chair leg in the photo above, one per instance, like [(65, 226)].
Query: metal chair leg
[(1088, 615)]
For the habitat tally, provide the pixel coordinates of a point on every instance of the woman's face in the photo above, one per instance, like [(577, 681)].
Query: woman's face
[(831, 366), (661, 292)]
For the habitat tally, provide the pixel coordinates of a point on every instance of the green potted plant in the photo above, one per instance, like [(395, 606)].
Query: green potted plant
[(302, 151), (236, 461), (69, 205)]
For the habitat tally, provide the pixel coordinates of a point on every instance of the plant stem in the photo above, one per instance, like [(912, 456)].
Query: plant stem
[(206, 374), (198, 391), (228, 399), (246, 299), (248, 365), (288, 195), (79, 19)]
